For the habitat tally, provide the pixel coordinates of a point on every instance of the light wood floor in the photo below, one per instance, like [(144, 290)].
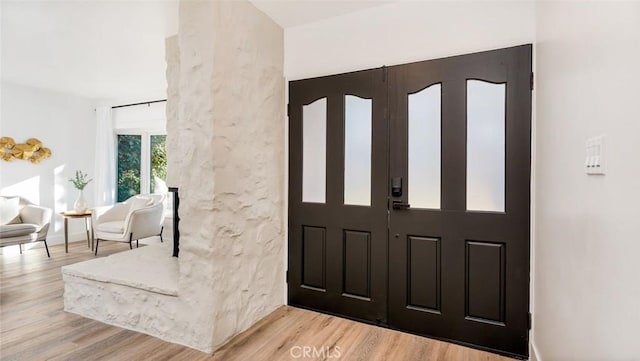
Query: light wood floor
[(33, 326)]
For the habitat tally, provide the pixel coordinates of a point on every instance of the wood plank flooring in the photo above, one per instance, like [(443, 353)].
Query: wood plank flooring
[(33, 326)]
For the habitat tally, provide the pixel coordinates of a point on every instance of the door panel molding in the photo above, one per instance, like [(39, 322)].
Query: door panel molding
[(423, 274), (485, 275), (314, 245), (356, 263)]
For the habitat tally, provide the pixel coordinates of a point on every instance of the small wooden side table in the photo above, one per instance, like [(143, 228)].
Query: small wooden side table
[(87, 225)]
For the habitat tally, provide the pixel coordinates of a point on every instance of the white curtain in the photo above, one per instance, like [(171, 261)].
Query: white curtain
[(104, 180)]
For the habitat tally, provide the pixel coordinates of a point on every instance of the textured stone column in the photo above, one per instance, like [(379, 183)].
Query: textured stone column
[(248, 162), (227, 158)]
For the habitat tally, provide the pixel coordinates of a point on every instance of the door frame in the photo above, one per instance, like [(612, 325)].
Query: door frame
[(530, 196)]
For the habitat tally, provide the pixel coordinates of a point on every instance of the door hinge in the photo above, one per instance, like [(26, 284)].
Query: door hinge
[(287, 276), (529, 320), (531, 81), (288, 109)]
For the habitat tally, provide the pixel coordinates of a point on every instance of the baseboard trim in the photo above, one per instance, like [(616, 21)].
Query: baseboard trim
[(57, 239), (52, 240), (534, 355)]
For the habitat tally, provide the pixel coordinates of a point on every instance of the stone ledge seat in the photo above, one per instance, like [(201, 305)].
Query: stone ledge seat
[(136, 290), (149, 268)]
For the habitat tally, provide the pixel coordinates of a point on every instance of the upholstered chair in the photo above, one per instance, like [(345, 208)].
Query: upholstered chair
[(138, 217), (23, 222)]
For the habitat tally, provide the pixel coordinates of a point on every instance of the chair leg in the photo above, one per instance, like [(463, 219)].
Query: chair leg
[(130, 240), (20, 246), (46, 247), (161, 230), (97, 242), (137, 244)]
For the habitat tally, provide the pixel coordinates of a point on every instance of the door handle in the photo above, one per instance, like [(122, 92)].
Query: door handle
[(400, 205)]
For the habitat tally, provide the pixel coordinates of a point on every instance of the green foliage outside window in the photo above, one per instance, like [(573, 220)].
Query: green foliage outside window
[(129, 160), (158, 159), (129, 154)]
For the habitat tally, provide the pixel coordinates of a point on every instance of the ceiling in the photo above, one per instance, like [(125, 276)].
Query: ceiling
[(93, 49), (288, 13), (114, 49)]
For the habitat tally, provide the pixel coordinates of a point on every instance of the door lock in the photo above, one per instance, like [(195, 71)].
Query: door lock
[(396, 186)]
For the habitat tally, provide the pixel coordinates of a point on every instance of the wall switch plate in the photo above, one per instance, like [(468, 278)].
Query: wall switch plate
[(594, 160)]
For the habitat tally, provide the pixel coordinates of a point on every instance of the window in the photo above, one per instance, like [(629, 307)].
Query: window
[(141, 163), (158, 162), (129, 159)]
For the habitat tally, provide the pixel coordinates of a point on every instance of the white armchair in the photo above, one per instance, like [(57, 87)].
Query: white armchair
[(22, 222), (138, 217)]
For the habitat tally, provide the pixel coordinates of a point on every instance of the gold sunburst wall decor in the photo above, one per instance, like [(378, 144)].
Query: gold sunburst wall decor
[(31, 150)]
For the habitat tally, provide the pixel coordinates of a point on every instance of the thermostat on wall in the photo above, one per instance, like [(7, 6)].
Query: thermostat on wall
[(594, 162)]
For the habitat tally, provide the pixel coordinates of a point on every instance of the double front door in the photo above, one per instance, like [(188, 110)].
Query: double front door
[(409, 197)]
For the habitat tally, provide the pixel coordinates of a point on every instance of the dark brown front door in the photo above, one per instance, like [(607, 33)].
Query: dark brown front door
[(338, 204), (411, 207), (460, 142)]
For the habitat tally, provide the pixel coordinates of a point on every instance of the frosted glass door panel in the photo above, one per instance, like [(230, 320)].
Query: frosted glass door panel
[(424, 148), (314, 151), (485, 146), (357, 151)]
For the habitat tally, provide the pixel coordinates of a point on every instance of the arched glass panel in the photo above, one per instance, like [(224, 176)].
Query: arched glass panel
[(314, 151), (485, 146), (357, 151), (424, 147)]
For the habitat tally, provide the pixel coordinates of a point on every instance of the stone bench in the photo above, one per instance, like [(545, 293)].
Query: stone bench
[(136, 290)]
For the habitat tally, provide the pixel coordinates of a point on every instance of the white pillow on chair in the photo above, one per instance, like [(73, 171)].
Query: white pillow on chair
[(9, 210)]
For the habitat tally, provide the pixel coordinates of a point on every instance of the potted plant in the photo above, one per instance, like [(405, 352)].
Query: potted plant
[(79, 182)]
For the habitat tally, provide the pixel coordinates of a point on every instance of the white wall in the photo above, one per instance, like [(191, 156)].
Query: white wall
[(66, 125), (404, 32), (587, 281)]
